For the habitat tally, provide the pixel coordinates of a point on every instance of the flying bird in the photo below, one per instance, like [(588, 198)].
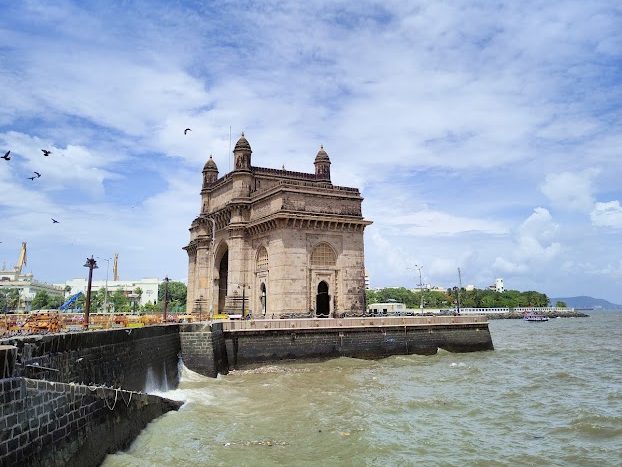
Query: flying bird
[(46, 152), (186, 131), (54, 221), (38, 174), (32, 178), (6, 156)]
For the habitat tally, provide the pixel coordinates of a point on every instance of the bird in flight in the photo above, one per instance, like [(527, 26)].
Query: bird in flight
[(6, 156), (32, 178), (54, 221), (46, 152), (37, 173), (186, 131)]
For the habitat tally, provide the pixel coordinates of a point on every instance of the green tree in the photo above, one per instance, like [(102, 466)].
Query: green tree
[(560, 304), (176, 292), (120, 302), (9, 299), (150, 307), (97, 301), (40, 301)]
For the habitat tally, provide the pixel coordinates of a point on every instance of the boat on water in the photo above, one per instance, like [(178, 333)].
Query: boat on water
[(535, 317)]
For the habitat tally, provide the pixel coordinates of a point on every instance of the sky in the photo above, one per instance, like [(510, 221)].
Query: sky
[(485, 136)]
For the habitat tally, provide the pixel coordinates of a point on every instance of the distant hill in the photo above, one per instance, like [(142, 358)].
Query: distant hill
[(587, 302)]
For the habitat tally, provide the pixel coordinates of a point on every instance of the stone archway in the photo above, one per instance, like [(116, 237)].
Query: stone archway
[(223, 273), (322, 301)]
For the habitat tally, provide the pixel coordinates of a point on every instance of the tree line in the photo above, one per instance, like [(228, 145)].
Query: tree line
[(102, 302), (477, 298)]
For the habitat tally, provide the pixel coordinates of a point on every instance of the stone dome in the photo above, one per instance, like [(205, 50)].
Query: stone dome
[(242, 144), (210, 165), (322, 156)]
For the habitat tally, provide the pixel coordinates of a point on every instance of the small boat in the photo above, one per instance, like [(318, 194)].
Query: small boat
[(535, 317)]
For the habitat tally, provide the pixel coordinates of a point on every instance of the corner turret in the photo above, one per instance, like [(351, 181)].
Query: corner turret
[(242, 154), (210, 172), (322, 165)]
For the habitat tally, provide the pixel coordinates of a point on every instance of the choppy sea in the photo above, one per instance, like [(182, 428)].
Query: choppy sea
[(549, 394)]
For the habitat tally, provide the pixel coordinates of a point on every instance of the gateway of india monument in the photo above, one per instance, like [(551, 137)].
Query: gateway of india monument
[(275, 242)]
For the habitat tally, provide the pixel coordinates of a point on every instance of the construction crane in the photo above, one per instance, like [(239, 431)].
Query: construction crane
[(21, 260), (115, 267)]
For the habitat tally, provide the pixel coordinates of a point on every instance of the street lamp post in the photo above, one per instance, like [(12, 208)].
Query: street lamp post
[(243, 285), (166, 280), (419, 268), (91, 264)]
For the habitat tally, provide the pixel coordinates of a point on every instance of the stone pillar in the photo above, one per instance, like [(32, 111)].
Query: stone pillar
[(192, 260), (203, 272), (239, 277)]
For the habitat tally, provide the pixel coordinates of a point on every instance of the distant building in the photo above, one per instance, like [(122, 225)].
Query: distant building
[(148, 288), (26, 284), (390, 307), (469, 288), (497, 286), (27, 287), (429, 288)]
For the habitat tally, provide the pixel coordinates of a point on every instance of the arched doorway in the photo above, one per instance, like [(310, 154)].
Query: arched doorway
[(322, 300), (263, 299), (223, 273)]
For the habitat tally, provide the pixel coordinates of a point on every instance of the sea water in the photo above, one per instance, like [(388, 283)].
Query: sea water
[(549, 394)]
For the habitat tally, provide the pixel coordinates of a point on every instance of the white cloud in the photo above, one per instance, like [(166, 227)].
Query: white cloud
[(570, 191), (607, 214), (429, 222), (533, 244)]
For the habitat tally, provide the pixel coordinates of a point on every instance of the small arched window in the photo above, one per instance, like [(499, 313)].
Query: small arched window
[(262, 259), (323, 255)]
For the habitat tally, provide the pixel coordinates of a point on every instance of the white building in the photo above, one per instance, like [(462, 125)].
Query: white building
[(497, 286), (27, 287), (148, 287), (390, 308)]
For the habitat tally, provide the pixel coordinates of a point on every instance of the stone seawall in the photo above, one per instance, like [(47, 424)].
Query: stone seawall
[(253, 347), (214, 349), (127, 358), (203, 348), (45, 423)]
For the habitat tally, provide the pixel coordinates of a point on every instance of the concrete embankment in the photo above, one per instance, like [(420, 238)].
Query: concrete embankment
[(221, 346), (48, 417), (49, 423)]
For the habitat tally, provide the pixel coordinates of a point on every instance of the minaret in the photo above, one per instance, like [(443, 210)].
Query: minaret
[(210, 172), (322, 165), (242, 154)]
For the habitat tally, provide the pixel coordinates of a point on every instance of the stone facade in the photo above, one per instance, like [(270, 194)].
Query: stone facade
[(274, 242)]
